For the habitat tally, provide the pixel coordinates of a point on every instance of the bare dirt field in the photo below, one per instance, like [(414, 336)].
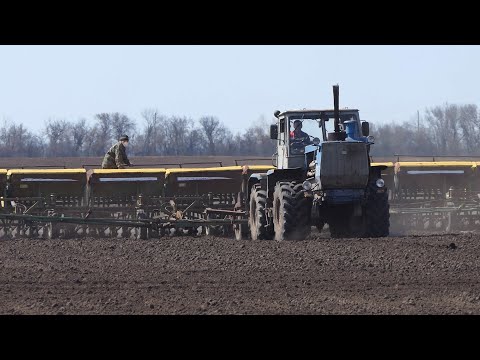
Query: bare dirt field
[(415, 274), (436, 274)]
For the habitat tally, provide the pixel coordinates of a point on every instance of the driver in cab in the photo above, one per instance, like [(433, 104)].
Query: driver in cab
[(298, 138)]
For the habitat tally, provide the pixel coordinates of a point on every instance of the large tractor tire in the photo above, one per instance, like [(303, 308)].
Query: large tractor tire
[(257, 220), (303, 212), (377, 213), (291, 212)]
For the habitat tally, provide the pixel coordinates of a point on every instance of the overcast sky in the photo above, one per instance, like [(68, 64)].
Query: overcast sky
[(238, 84)]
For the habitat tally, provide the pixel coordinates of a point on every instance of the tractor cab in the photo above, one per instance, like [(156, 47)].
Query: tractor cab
[(301, 131)]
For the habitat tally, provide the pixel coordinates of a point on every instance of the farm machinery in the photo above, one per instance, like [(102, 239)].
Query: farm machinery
[(322, 176), (141, 203), (434, 194)]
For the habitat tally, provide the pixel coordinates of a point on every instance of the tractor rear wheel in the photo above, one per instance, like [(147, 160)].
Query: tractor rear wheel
[(257, 219), (377, 213), (291, 212), (303, 212)]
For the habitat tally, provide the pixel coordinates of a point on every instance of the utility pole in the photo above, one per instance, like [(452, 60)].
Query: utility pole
[(418, 121), (154, 132)]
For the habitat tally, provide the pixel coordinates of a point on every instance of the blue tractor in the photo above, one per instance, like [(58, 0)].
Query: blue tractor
[(322, 176)]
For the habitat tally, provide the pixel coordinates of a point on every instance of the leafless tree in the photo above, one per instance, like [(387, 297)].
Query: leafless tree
[(470, 126), (58, 135), (449, 129), (16, 140), (101, 134), (152, 135), (121, 125), (403, 139), (196, 142), (177, 131), (444, 121), (210, 126), (256, 139), (80, 132)]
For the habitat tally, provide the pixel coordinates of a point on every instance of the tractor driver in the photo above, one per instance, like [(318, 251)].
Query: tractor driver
[(299, 138)]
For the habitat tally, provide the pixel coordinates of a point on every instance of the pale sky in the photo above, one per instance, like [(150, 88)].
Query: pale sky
[(238, 84)]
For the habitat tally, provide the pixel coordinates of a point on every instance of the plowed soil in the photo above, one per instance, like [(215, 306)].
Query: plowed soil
[(423, 274), (207, 275)]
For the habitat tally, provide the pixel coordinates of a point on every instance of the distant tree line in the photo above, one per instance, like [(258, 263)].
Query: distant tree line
[(154, 134), (448, 129)]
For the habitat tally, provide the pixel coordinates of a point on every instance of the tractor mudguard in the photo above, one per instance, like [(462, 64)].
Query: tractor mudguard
[(268, 180), (255, 179)]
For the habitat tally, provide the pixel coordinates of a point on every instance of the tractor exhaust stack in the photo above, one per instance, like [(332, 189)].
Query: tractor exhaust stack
[(336, 109), (338, 134)]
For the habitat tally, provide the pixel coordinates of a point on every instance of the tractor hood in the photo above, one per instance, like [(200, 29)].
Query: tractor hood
[(342, 165)]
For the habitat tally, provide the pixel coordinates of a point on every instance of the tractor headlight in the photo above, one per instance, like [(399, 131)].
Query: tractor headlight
[(371, 139), (307, 185), (316, 141), (380, 183)]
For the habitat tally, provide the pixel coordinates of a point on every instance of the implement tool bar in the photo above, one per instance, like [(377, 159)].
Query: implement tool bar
[(149, 223), (431, 210)]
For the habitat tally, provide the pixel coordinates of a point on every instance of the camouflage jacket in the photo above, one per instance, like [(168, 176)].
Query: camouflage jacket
[(116, 157)]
